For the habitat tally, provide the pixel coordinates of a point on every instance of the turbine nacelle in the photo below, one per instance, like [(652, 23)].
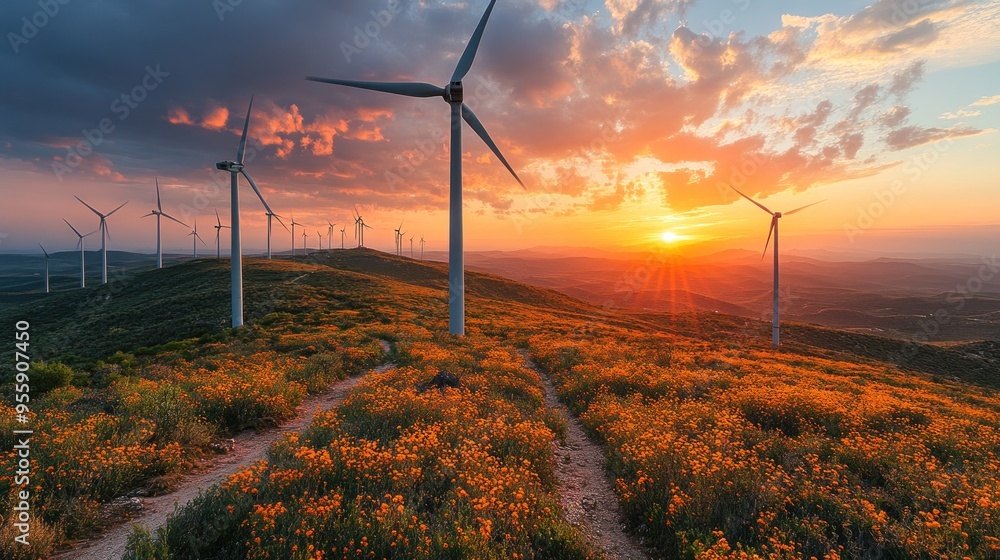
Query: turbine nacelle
[(454, 92), (777, 214), (230, 166)]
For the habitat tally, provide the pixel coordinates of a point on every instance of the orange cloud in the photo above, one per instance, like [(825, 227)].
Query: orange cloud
[(178, 115), (215, 119)]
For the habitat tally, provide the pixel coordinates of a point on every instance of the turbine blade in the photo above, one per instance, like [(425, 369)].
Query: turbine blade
[(218, 220), (367, 226), (88, 206), (165, 215), (280, 222), (473, 121), (240, 152), (256, 190), (158, 206), (803, 208), (44, 251), (465, 63), (106, 230), (774, 222), (761, 206), (409, 89), (148, 215), (116, 209), (73, 228)]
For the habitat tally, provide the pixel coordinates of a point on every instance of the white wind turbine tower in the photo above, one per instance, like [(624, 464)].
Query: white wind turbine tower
[(270, 215), (411, 246), (399, 239), (421, 247), (46, 268), (453, 95), (218, 230), (320, 237), (329, 235), (83, 279), (359, 228), (236, 250), (195, 238), (294, 223), (104, 237), (305, 248), (343, 233), (775, 216), (158, 213)]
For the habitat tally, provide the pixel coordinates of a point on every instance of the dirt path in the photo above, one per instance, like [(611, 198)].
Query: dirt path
[(584, 487), (250, 446)]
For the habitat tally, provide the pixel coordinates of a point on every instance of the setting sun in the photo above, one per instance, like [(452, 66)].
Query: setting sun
[(670, 237)]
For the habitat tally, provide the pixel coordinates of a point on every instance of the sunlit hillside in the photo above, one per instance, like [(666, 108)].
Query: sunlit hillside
[(717, 445)]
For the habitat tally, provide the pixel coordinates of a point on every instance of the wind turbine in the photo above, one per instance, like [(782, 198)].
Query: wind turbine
[(270, 215), (218, 229), (421, 247), (453, 94), (104, 236), (343, 233), (411, 246), (329, 235), (236, 252), (83, 279), (294, 223), (158, 213), (359, 228), (46, 268), (320, 236), (196, 238), (399, 239), (305, 248), (775, 216)]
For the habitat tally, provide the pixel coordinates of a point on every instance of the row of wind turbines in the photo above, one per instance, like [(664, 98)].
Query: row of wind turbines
[(453, 94)]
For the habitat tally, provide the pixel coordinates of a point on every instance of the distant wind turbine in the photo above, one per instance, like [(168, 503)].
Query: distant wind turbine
[(399, 239), (104, 237), (411, 246), (453, 93), (79, 244), (320, 237), (218, 229), (195, 238), (236, 251), (775, 216), (46, 268), (329, 235), (343, 233), (421, 247), (305, 247), (158, 213), (270, 215), (359, 228), (294, 223)]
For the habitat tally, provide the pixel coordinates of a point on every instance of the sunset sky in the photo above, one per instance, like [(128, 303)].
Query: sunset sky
[(626, 119)]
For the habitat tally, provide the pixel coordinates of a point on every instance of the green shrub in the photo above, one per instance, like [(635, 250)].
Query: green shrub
[(51, 375)]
